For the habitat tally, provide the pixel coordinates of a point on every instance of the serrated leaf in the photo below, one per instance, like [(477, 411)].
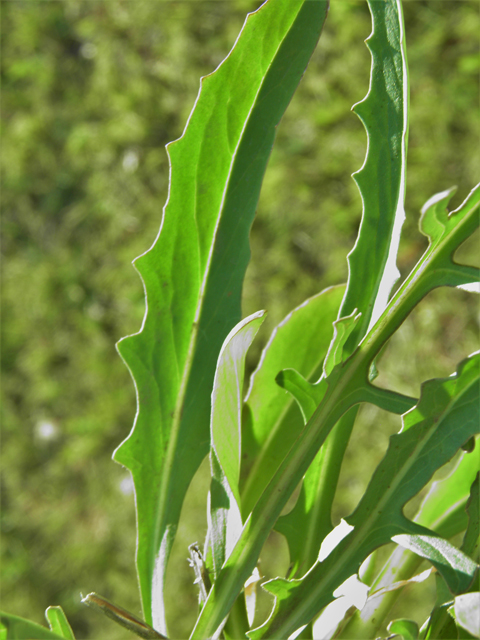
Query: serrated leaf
[(225, 520), (271, 420), (381, 180), (408, 629), (446, 416), (58, 622), (466, 612), (371, 265), (17, 628), (193, 273)]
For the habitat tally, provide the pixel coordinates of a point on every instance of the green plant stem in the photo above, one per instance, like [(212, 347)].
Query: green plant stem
[(347, 386), (332, 453)]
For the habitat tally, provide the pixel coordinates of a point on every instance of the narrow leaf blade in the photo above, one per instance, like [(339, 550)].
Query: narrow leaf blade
[(58, 622), (381, 180), (225, 521)]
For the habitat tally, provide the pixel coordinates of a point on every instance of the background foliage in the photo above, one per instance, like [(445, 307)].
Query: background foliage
[(91, 94)]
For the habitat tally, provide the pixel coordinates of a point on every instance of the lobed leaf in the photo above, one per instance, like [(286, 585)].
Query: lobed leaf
[(381, 180), (372, 272), (443, 511), (446, 416), (194, 271)]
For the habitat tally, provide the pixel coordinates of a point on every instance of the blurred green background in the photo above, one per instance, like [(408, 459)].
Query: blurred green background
[(91, 93)]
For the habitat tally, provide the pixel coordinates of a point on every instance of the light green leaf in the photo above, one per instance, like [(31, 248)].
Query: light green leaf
[(58, 622), (308, 395), (381, 180), (443, 508), (408, 629), (371, 265), (466, 612), (193, 273), (309, 522), (271, 420), (446, 416), (436, 222), (456, 568), (446, 232), (343, 330), (17, 628), (225, 521)]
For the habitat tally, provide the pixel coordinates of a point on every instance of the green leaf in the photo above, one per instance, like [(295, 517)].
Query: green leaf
[(440, 625), (443, 508), (17, 628), (446, 416), (456, 568), (371, 265), (193, 273), (470, 544), (381, 180), (307, 394), (466, 612), (227, 400), (58, 622), (343, 330), (309, 522), (271, 420), (446, 232), (443, 511), (403, 627)]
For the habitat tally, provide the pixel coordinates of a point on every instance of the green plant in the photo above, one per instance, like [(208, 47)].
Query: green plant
[(188, 363)]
